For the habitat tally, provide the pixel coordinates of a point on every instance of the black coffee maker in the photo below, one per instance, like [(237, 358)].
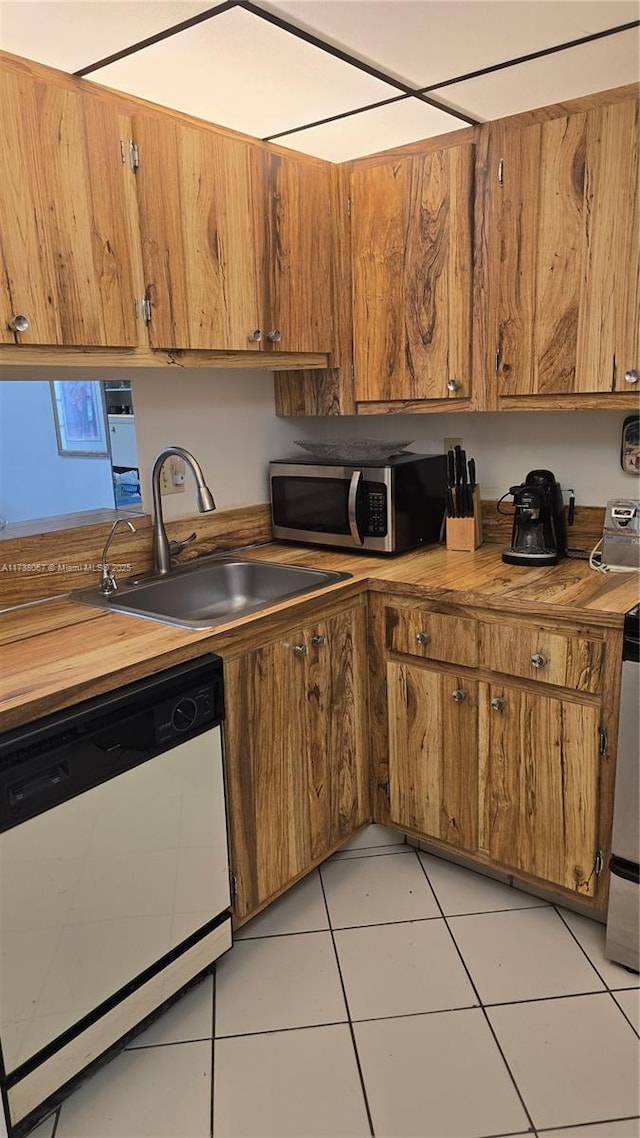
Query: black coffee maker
[(539, 534)]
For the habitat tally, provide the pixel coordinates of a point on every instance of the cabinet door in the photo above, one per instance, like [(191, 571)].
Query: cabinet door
[(412, 242), (568, 291), (295, 754), (197, 226), (296, 251), (433, 764), (65, 226), (539, 785)]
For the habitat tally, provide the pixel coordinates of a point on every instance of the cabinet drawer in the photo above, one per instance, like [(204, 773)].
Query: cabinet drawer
[(539, 654), (432, 635)]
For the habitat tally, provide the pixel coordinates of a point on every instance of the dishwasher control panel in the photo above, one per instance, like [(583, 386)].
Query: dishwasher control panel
[(68, 753)]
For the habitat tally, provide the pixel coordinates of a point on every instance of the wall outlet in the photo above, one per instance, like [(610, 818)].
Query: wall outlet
[(172, 476), (449, 444)]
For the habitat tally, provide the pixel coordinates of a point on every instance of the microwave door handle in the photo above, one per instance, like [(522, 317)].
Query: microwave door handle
[(354, 486)]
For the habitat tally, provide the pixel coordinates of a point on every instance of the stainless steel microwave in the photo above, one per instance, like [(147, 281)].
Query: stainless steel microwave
[(386, 508)]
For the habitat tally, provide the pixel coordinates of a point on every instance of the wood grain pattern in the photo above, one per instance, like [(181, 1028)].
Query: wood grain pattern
[(412, 234), (569, 661), (478, 586), (433, 754), (539, 786), (329, 391), (557, 265), (377, 233), (295, 784), (449, 638), (294, 251), (566, 256), (53, 562), (609, 324), (197, 231), (63, 210), (29, 355)]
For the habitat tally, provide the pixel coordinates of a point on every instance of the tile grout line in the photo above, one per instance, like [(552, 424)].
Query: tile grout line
[(346, 1004), (595, 968), (531, 1126), (411, 920), (593, 1122), (629, 1021)]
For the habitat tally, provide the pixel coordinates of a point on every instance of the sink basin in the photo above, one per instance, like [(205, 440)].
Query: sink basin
[(211, 590)]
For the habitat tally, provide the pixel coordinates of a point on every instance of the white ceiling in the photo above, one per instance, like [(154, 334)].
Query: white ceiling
[(245, 73)]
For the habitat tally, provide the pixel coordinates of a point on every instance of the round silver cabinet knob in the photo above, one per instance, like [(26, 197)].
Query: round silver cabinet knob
[(255, 335), (422, 637), (318, 641), (19, 323), (459, 695), (301, 650), (453, 385), (275, 335), (538, 660), (632, 376), (497, 704)]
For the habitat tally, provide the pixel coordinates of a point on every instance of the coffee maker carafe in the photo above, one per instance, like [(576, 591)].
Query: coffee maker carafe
[(539, 534)]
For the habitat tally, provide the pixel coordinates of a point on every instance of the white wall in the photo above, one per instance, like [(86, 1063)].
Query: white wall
[(582, 448), (226, 419)]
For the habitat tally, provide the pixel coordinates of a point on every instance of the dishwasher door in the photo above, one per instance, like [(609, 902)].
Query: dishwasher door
[(117, 896)]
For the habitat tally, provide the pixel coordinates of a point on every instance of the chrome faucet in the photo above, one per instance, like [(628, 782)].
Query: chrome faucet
[(163, 549), (108, 583)]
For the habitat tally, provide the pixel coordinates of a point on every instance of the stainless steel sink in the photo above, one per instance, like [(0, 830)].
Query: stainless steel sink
[(211, 590)]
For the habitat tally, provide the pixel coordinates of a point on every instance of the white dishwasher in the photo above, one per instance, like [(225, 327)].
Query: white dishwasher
[(115, 875)]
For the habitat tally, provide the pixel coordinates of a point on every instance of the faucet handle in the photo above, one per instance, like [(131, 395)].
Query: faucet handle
[(176, 547)]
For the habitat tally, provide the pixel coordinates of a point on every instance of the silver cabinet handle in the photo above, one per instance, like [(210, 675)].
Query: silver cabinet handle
[(632, 376), (497, 704), (18, 323), (275, 335), (256, 335), (538, 660), (301, 650), (356, 478), (318, 641), (459, 695), (422, 637), (453, 385)]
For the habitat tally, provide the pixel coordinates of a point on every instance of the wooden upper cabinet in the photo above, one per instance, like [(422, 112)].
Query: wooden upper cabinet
[(566, 261), (197, 229), (295, 243), (68, 264), (412, 250)]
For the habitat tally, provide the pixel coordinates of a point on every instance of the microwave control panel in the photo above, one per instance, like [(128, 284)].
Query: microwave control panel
[(376, 510)]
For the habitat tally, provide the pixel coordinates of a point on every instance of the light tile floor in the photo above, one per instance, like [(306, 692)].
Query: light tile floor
[(389, 993)]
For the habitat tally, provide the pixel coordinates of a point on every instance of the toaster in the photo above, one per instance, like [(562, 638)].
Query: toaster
[(621, 534)]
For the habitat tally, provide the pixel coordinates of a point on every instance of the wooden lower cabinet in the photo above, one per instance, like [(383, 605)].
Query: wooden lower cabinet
[(508, 774), (295, 753), (433, 753), (539, 775), (516, 773)]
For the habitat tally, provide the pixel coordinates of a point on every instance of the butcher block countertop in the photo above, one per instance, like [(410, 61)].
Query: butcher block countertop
[(55, 653)]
